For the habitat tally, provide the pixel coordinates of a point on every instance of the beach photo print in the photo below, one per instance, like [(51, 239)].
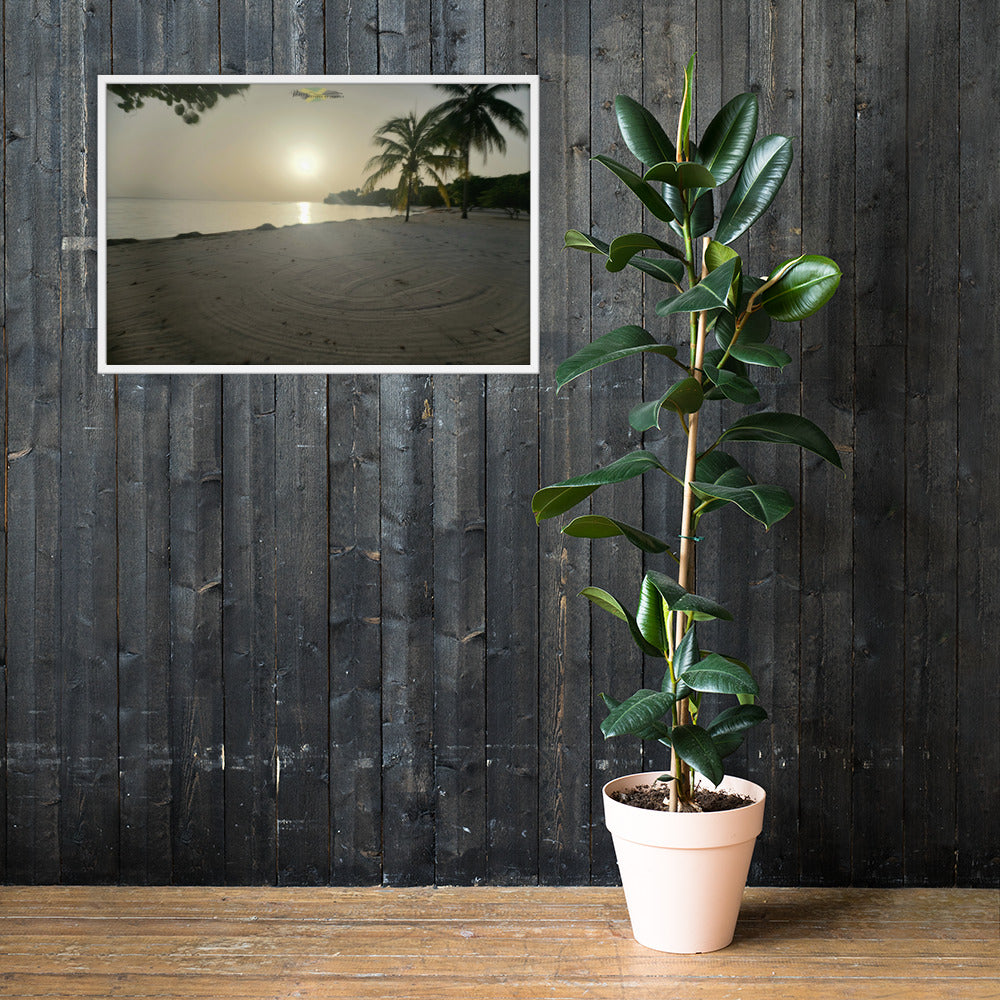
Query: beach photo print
[(365, 224)]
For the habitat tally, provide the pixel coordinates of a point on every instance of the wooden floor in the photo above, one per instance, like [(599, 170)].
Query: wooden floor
[(487, 944)]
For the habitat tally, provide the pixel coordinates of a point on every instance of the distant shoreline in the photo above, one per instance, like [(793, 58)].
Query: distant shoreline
[(438, 290)]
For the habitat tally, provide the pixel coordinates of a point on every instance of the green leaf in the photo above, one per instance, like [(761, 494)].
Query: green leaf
[(560, 497), (702, 215), (767, 504), (642, 133), (655, 731), (684, 120), (671, 271), (732, 386), (637, 713), (728, 743), (624, 248), (762, 175), (712, 292), (695, 746), (685, 656), (719, 468), (575, 240), (756, 329), (681, 175), (595, 526), (606, 602), (679, 599), (712, 359), (783, 428), (624, 342), (639, 188), (650, 616), (715, 674), (766, 355), (736, 719), (728, 138), (717, 254), (684, 396), (804, 289)]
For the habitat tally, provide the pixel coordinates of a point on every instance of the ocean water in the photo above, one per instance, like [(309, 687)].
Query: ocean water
[(155, 218)]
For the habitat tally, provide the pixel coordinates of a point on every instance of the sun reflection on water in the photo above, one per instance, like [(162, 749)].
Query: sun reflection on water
[(305, 212)]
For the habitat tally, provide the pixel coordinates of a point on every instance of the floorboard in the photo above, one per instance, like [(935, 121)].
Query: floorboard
[(918, 944)]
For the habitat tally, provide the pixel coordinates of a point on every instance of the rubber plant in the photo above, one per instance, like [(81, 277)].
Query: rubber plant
[(707, 293)]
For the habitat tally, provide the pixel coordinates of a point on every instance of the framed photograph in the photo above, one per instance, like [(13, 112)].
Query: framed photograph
[(363, 224)]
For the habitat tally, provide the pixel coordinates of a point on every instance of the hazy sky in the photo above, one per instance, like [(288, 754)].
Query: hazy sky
[(265, 145)]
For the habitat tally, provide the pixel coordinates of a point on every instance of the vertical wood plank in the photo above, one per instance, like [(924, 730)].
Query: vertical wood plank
[(195, 692), (302, 717), (351, 36), (249, 526), (355, 556), (408, 799), (355, 632), (512, 587), (616, 299), (87, 557), (931, 449), (249, 638), (298, 41), (564, 655), (978, 707), (880, 439), (773, 595), (32, 338), (191, 45), (457, 46), (828, 384), (143, 447)]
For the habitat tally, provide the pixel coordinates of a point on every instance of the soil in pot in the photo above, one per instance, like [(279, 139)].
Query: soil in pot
[(655, 797)]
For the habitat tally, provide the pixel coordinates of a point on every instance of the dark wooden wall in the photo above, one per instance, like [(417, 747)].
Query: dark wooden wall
[(304, 630)]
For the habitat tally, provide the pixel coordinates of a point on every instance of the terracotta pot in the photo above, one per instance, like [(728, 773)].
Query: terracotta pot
[(683, 873)]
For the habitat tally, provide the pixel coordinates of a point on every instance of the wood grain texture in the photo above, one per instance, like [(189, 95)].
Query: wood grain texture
[(881, 318), (205, 576), (569, 943)]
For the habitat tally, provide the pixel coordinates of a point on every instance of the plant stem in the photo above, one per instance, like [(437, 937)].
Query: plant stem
[(686, 560)]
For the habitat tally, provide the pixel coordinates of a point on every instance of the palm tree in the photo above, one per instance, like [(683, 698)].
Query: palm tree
[(471, 116), (413, 147)]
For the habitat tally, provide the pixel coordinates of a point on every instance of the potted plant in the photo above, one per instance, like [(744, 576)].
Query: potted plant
[(684, 864)]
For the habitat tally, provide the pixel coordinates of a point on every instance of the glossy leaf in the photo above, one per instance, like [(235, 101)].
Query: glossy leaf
[(756, 329), (713, 358), (679, 599), (732, 386), (596, 526), (736, 719), (575, 240), (702, 215), (635, 714), (684, 396), (686, 656), (727, 743), (606, 602), (804, 289), (650, 616), (716, 254), (681, 175), (762, 175), (718, 467), (623, 248), (625, 342), (783, 428), (718, 675), (712, 292), (671, 271), (642, 133), (654, 731), (766, 355), (729, 136), (551, 501), (694, 746), (639, 188), (767, 504)]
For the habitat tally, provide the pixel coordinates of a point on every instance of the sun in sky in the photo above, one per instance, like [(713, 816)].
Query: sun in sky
[(305, 163)]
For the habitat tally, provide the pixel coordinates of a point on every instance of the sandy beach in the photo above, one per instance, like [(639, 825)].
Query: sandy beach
[(437, 290)]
